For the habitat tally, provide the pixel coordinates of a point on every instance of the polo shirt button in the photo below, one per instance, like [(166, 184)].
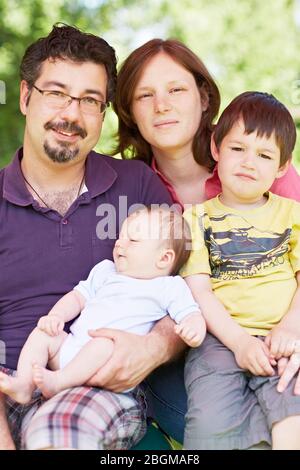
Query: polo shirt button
[(64, 221)]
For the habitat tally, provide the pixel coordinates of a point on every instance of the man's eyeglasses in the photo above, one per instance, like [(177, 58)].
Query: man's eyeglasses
[(59, 100)]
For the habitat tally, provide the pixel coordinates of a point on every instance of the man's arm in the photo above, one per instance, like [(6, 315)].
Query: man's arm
[(136, 356), (6, 442)]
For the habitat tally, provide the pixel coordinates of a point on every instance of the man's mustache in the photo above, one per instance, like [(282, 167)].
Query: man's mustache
[(66, 127)]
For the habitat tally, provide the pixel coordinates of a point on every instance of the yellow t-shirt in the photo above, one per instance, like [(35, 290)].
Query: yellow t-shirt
[(252, 257)]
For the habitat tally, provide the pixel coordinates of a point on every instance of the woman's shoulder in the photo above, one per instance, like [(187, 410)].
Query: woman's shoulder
[(288, 185)]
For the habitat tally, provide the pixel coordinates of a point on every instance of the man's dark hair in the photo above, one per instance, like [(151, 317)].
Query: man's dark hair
[(67, 42)]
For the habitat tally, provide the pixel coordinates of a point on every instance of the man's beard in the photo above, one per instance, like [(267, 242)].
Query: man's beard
[(62, 153)]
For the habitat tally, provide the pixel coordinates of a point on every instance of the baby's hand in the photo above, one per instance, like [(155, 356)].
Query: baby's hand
[(192, 329), (51, 324)]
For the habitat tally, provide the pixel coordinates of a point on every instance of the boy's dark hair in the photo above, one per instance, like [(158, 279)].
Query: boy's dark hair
[(68, 42), (261, 113)]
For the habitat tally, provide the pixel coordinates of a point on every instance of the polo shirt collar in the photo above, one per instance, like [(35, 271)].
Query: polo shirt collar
[(99, 174), (14, 187), (99, 177)]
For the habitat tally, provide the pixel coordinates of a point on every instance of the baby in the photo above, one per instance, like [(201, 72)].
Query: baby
[(131, 293)]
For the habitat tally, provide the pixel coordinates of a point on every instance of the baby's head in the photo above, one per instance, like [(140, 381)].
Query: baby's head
[(152, 242), (253, 143)]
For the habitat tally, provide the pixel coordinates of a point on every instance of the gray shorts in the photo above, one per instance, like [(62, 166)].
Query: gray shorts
[(229, 408)]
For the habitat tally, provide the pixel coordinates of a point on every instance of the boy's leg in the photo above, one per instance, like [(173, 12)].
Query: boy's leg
[(88, 418), (282, 411), (38, 348), (286, 434), (91, 357), (223, 412)]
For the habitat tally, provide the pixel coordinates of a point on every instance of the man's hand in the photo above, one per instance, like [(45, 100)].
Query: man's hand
[(192, 329), (51, 324), (281, 341), (134, 357), (252, 354)]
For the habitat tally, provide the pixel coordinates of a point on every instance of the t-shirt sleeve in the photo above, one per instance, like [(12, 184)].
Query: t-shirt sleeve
[(198, 262), (294, 253), (95, 280), (179, 299), (288, 185)]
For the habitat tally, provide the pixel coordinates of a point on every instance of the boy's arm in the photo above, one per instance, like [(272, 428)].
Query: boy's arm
[(250, 352), (136, 356), (282, 339)]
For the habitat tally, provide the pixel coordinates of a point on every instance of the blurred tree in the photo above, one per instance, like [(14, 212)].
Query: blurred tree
[(246, 44), (21, 23)]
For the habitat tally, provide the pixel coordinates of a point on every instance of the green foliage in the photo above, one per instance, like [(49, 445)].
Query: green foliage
[(246, 44)]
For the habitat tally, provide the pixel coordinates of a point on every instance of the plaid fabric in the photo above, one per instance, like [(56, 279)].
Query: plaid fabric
[(79, 418), (18, 415)]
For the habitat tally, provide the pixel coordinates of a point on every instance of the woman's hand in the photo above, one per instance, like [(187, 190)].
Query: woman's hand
[(287, 369), (281, 341)]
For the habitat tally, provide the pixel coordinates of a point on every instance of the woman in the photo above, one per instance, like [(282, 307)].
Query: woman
[(166, 102)]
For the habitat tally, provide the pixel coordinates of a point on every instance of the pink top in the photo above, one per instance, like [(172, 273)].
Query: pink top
[(286, 186)]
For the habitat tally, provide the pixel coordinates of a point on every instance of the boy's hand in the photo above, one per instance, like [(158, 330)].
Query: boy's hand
[(252, 354), (51, 324), (192, 329), (281, 342)]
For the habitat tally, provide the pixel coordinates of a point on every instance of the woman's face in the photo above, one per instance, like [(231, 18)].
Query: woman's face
[(167, 106)]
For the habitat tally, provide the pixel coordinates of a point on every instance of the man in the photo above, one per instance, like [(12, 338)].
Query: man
[(58, 201)]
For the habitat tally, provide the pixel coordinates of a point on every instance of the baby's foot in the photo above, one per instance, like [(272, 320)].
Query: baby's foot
[(16, 388), (45, 380)]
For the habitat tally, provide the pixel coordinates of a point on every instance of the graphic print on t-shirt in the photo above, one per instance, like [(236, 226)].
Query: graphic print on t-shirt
[(242, 250)]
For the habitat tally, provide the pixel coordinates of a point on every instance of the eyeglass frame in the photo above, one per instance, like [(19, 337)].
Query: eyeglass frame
[(102, 103)]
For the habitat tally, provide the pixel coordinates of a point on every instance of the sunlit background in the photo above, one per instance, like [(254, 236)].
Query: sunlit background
[(246, 45)]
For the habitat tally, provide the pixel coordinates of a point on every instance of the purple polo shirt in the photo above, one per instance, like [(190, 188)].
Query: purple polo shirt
[(44, 255)]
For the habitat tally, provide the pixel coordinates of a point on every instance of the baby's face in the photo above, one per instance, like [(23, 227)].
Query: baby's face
[(139, 246), (248, 164)]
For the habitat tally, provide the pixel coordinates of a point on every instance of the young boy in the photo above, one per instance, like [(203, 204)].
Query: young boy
[(139, 288), (244, 273)]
